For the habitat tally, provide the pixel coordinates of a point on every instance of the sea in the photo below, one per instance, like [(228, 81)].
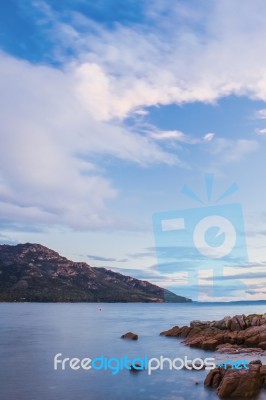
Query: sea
[(31, 334)]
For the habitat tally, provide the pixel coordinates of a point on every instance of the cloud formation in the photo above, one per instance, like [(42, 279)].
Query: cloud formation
[(49, 142), (179, 54), (226, 151), (56, 120), (261, 132), (100, 258), (261, 114)]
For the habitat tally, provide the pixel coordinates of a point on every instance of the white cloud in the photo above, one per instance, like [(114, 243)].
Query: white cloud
[(186, 55), (48, 141), (229, 151), (179, 136), (261, 114), (261, 132), (141, 112), (173, 135), (208, 137), (54, 120)]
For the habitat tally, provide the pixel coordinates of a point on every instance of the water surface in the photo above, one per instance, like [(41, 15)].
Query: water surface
[(32, 333)]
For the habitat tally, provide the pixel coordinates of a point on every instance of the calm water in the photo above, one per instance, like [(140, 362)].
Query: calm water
[(31, 334)]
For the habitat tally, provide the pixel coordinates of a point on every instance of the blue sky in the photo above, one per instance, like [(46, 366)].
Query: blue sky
[(109, 108)]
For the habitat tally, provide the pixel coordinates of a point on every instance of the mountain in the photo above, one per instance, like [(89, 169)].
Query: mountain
[(32, 272)]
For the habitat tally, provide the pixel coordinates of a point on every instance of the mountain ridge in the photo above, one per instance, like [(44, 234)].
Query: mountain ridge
[(33, 272)]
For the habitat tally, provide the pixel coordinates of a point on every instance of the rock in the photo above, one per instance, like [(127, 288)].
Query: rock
[(198, 323), (256, 362), (185, 331), (235, 325), (255, 321), (241, 384), (210, 344), (246, 334), (224, 323), (171, 332), (263, 375), (252, 341), (136, 367), (214, 378), (182, 332), (227, 322), (130, 336), (228, 348), (235, 349), (231, 337), (262, 335), (241, 321)]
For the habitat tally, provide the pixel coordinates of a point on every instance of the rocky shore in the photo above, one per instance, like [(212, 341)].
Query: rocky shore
[(231, 335), (238, 334), (240, 384)]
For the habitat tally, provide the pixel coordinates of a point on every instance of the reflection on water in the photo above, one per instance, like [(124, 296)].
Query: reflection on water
[(31, 334)]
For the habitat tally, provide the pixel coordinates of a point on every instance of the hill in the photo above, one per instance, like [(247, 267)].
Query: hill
[(32, 272)]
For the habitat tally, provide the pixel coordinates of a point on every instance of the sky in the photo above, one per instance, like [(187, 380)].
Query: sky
[(109, 108)]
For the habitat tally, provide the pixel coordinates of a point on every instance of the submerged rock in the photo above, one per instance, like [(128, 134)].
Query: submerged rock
[(136, 367), (130, 336)]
